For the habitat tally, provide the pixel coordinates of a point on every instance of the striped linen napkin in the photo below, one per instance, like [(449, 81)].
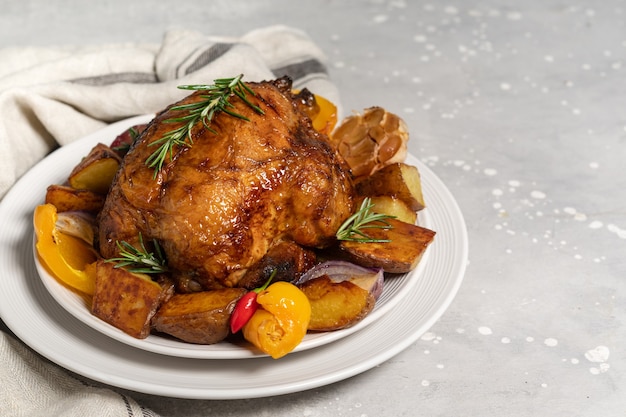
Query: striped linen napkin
[(50, 97)]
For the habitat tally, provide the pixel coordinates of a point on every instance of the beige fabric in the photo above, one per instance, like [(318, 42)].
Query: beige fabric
[(33, 387)]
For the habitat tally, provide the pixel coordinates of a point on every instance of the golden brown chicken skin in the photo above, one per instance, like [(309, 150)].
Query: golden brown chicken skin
[(220, 205)]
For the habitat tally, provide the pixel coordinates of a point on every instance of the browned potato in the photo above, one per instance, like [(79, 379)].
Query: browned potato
[(407, 243), (66, 198), (202, 317), (96, 171), (127, 300), (400, 180), (393, 206), (336, 305)]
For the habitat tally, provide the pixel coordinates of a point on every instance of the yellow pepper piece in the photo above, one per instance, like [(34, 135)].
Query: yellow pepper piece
[(281, 322), (326, 119), (323, 115), (70, 259)]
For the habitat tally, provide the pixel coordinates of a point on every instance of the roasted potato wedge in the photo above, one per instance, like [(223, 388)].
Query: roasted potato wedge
[(393, 206), (202, 317), (96, 171), (127, 300), (399, 180), (336, 305), (66, 198), (403, 251)]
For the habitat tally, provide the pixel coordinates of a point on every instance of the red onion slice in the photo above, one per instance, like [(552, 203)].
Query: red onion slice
[(369, 279), (79, 224)]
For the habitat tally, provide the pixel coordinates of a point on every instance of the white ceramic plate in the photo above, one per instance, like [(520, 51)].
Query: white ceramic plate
[(29, 310), (58, 166)]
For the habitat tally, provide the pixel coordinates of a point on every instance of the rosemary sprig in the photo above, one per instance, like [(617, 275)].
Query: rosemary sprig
[(364, 218), (140, 261), (215, 100)]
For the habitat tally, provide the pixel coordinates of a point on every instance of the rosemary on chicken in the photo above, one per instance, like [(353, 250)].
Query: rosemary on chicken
[(140, 260), (216, 100), (353, 228)]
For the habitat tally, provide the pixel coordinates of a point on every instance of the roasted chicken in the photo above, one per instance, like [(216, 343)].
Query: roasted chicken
[(224, 206)]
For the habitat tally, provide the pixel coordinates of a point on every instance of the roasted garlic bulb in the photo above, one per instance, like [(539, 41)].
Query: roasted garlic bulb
[(372, 140)]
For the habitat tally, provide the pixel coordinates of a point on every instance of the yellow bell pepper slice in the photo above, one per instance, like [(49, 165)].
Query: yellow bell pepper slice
[(70, 259), (326, 119), (323, 115)]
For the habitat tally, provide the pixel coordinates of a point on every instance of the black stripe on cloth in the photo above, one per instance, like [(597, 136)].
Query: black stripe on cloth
[(145, 412), (209, 55), (120, 77), (300, 69), (129, 409)]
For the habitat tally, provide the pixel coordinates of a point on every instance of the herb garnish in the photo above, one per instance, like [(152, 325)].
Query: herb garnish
[(214, 101), (140, 261), (364, 218)]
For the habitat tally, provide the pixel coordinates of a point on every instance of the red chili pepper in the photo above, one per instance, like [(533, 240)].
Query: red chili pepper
[(246, 306)]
